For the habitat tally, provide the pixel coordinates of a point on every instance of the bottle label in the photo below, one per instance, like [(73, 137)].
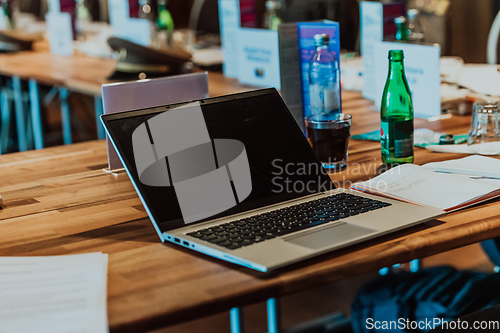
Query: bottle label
[(403, 138), (398, 134), (324, 99), (316, 99), (332, 99)]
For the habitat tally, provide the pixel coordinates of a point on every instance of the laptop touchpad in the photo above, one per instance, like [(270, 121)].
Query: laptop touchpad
[(336, 234)]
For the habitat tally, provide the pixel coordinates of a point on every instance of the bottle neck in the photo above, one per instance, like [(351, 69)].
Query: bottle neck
[(401, 33), (321, 47), (396, 68)]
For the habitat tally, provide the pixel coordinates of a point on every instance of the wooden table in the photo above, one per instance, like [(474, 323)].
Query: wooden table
[(77, 73), (58, 201)]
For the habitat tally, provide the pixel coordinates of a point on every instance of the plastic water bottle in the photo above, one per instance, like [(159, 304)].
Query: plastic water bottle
[(415, 30), (324, 81), (272, 17)]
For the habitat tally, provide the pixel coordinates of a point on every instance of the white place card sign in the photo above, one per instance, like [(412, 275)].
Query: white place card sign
[(422, 73), (125, 96), (372, 30), (135, 30), (60, 33), (376, 24), (118, 11), (258, 57), (230, 22), (54, 6)]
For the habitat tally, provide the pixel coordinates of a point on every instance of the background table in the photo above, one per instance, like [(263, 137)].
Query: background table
[(58, 201), (78, 73)]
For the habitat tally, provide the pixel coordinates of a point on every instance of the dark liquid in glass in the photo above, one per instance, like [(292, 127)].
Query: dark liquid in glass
[(330, 144)]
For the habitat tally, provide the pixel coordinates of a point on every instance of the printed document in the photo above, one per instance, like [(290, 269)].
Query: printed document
[(56, 294), (423, 186)]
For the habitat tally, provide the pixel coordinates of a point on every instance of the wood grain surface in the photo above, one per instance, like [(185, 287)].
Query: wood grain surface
[(58, 201), (81, 73)]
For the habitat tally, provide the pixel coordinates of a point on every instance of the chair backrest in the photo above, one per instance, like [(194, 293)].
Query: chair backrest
[(204, 16), (492, 46)]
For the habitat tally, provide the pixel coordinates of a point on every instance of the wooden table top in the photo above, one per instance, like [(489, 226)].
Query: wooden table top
[(82, 73), (58, 201)]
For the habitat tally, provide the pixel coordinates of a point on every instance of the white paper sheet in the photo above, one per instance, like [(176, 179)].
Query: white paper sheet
[(475, 165), (421, 185), (480, 78), (56, 294)]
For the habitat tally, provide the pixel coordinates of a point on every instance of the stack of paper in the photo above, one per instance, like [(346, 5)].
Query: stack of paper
[(471, 183), (54, 294)]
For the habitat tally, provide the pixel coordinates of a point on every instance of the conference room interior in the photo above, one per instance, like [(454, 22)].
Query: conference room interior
[(460, 27)]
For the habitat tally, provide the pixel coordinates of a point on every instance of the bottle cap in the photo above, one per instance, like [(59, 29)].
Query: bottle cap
[(396, 55), (447, 139), (400, 20), (412, 13), (321, 39), (272, 4)]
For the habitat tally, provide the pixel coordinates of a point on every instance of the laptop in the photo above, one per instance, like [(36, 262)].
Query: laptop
[(234, 177)]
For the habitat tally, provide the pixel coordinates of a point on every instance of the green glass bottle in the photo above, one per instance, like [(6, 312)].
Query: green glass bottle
[(165, 20), (7, 10), (401, 29), (396, 114)]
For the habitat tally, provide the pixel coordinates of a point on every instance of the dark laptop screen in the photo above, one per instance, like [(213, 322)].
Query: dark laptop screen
[(282, 166)]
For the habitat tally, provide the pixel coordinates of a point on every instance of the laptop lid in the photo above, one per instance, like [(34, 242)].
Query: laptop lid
[(188, 155)]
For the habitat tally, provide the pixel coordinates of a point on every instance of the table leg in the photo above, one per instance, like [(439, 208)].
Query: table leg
[(273, 316), (5, 111), (20, 123), (98, 112), (236, 316), (66, 120), (36, 117), (414, 265)]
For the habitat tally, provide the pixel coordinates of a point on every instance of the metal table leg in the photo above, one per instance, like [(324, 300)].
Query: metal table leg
[(66, 120), (273, 316), (5, 111), (20, 123), (98, 112), (236, 316), (36, 117), (414, 265)]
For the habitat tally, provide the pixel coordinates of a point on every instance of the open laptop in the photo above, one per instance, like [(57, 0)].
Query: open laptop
[(235, 178)]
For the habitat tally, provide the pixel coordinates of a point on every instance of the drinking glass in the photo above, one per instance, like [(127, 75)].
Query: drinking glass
[(484, 130), (328, 135)]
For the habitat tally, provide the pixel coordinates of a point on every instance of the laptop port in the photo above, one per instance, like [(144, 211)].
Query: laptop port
[(177, 240), (185, 243)]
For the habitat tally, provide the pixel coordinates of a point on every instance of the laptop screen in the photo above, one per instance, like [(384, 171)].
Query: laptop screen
[(192, 162)]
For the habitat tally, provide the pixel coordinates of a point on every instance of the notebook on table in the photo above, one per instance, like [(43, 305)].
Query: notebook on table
[(234, 177), (449, 185)]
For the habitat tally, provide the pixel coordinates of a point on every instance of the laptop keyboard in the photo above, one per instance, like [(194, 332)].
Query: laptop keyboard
[(247, 231)]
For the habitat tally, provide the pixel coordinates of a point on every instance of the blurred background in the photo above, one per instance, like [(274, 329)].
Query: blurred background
[(460, 26)]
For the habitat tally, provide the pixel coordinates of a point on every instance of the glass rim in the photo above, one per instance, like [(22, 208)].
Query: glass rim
[(486, 107), (345, 117), (340, 118)]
